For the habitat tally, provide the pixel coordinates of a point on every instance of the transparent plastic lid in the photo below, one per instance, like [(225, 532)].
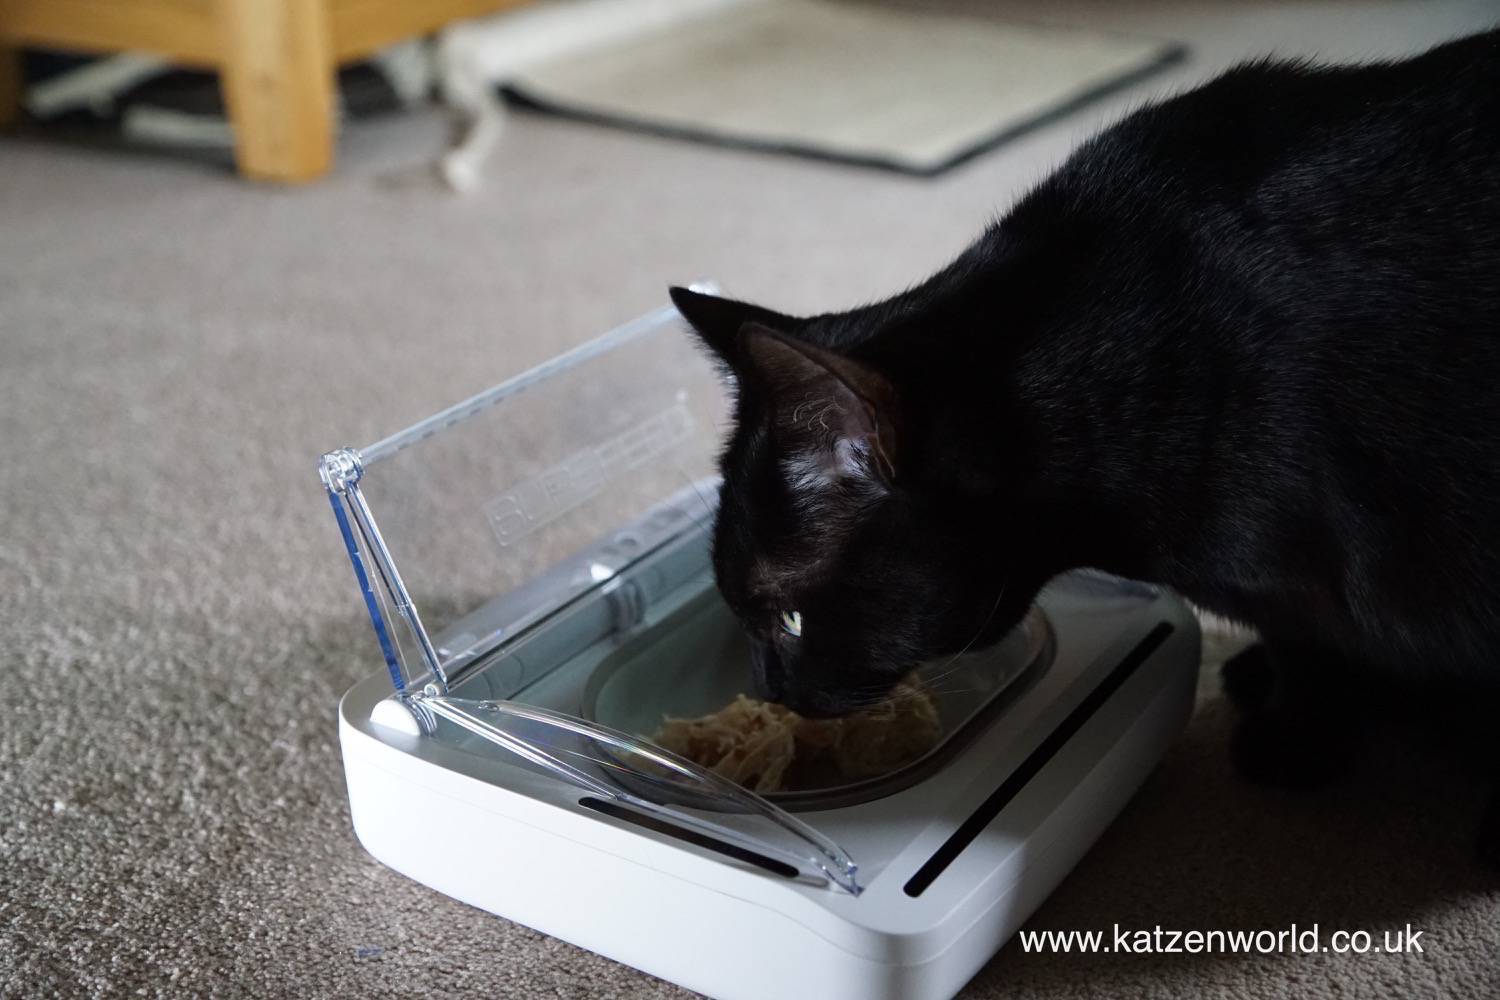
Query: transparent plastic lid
[(485, 518), (506, 542), (651, 783)]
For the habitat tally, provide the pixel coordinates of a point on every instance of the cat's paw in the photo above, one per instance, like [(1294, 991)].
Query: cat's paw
[(1249, 678), (1269, 749)]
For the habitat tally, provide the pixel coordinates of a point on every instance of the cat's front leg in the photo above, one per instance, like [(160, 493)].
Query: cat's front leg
[(1300, 706), (1489, 831)]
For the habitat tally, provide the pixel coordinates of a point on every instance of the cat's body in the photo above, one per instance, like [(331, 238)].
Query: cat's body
[(1295, 403), (1245, 343)]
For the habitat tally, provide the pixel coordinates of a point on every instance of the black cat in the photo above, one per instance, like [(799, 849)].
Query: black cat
[(1245, 343)]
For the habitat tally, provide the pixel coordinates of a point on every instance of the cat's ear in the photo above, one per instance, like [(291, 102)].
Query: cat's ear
[(839, 413), (718, 321)]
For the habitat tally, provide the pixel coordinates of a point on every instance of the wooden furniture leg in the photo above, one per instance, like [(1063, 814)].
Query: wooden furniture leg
[(10, 85), (277, 75)]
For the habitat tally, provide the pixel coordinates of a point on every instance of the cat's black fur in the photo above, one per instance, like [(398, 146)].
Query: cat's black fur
[(1245, 343)]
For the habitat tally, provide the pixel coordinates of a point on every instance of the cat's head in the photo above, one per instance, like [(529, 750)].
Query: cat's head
[(845, 563)]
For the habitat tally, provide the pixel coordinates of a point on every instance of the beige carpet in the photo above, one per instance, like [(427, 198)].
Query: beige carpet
[(177, 621), (917, 91)]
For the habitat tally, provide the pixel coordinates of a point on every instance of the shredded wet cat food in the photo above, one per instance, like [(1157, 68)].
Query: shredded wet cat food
[(768, 748)]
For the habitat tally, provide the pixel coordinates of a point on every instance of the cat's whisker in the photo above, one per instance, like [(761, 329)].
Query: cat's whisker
[(950, 667), (949, 670), (955, 689), (699, 522)]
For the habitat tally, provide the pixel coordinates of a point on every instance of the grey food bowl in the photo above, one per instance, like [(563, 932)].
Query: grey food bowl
[(698, 660)]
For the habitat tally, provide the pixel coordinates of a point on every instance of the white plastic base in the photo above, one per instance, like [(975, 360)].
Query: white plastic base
[(1008, 818)]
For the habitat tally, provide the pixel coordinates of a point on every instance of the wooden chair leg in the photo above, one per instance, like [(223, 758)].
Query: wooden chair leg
[(10, 85), (277, 77)]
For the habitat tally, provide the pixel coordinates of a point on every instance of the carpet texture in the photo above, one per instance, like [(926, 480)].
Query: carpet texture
[(178, 622), (906, 90)]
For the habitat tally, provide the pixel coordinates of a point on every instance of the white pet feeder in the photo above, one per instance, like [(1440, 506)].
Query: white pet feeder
[(535, 564)]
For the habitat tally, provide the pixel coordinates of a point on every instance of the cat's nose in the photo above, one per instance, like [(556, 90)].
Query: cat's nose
[(768, 676), (766, 691), (769, 686)]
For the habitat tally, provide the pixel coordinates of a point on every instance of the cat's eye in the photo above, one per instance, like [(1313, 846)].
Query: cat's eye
[(791, 622)]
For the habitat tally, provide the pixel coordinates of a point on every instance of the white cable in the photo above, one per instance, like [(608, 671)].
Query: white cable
[(476, 57), (94, 85)]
